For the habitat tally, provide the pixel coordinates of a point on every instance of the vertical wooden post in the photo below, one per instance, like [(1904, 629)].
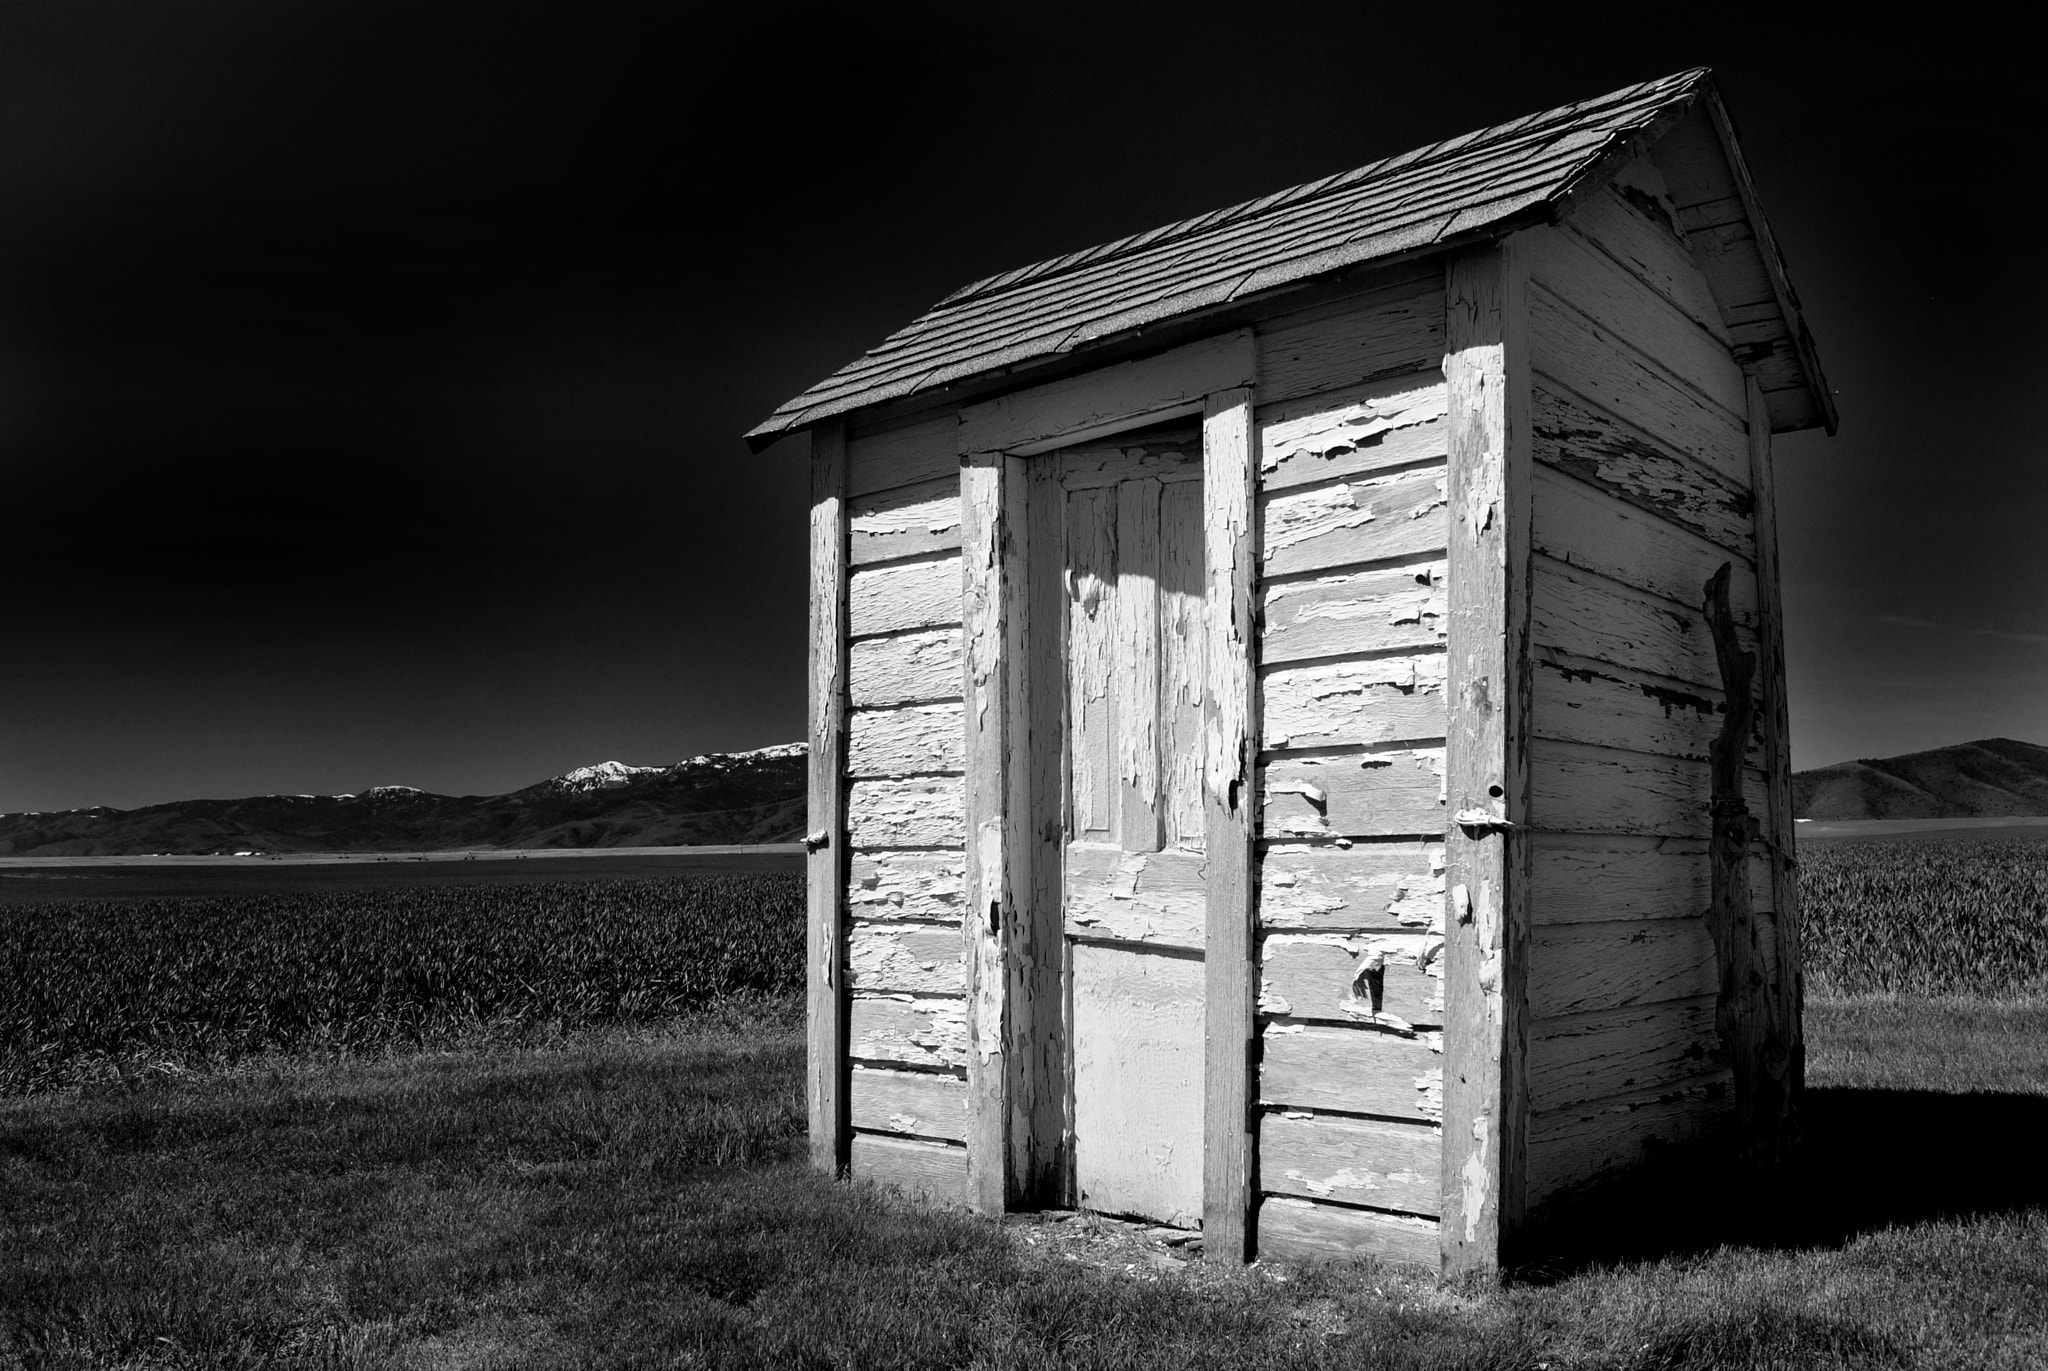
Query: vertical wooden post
[(986, 563), (1486, 367), (1036, 941), (826, 867), (1230, 798), (1780, 828)]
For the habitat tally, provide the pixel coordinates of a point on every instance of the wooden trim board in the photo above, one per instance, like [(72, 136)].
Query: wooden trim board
[(1230, 799), (1486, 366), (1780, 828), (825, 867), (985, 688), (1103, 401)]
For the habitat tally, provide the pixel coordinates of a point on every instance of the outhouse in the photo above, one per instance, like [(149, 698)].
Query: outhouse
[(1262, 702)]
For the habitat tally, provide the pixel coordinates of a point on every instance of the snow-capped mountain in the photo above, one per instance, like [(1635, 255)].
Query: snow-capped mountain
[(721, 797), (603, 776)]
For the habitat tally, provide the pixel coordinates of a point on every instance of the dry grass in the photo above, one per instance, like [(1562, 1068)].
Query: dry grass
[(1954, 1044), (631, 1197)]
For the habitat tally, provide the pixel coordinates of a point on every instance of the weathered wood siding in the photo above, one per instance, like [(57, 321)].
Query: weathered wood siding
[(1642, 490), (1351, 444), (907, 1023)]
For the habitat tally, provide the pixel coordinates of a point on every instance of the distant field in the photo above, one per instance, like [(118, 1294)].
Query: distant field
[(116, 988), (1964, 916), (38, 879)]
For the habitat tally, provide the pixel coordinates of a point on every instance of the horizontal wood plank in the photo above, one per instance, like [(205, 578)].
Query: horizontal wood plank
[(1568, 350), (1591, 618), (1620, 1051), (1579, 789), (904, 595), (1357, 1161), (1375, 610), (1581, 968), (903, 456), (1366, 885), (1376, 794), (1168, 453), (1571, 1146), (1304, 1230), (914, 959), (1319, 528), (1111, 397), (1649, 250), (906, 885), (914, 1030), (1357, 1070), (1353, 703), (1612, 707), (907, 522), (1610, 456), (906, 741), (923, 1104), (1627, 308), (1324, 977), (1576, 879), (1390, 330), (1395, 422), (1156, 898), (918, 812), (1583, 527), (932, 1171), (910, 668)]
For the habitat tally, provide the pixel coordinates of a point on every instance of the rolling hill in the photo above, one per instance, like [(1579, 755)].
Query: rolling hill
[(1992, 777), (726, 797)]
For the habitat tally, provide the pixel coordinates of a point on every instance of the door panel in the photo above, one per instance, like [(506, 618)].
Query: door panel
[(1137, 1026), (1133, 863)]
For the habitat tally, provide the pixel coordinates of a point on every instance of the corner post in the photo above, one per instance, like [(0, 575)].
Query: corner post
[(1486, 368), (986, 566), (1788, 987), (825, 866), (1230, 799)]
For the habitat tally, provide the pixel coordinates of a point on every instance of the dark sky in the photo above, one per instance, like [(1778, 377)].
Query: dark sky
[(372, 376)]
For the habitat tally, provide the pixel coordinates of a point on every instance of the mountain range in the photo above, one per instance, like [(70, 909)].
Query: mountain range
[(726, 797), (759, 797), (1990, 778)]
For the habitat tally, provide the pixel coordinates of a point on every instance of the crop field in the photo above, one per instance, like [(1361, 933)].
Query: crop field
[(113, 987), (1925, 918), (105, 987)]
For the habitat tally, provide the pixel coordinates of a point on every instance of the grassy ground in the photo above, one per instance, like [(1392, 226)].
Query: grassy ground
[(1953, 1044), (633, 1198)]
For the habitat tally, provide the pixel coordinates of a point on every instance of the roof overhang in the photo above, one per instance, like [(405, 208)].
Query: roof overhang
[(1108, 300)]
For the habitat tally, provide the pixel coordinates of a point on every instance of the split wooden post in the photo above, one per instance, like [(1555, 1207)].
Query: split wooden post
[(985, 572), (1486, 368), (1230, 799), (826, 866), (1789, 978), (1747, 1006)]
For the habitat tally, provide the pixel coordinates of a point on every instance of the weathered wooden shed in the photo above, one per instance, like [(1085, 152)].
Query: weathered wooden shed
[(1262, 704)]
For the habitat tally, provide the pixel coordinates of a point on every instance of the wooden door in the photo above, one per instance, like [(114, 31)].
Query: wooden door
[(1133, 906)]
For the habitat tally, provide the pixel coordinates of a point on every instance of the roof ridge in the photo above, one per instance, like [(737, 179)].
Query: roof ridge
[(1414, 158)]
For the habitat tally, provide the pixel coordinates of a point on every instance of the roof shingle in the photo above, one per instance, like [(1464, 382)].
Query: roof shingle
[(1439, 194)]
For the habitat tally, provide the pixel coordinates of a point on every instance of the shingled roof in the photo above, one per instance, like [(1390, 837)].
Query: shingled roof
[(1475, 186)]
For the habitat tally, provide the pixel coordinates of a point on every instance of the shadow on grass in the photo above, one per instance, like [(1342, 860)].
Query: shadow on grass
[(1872, 1159)]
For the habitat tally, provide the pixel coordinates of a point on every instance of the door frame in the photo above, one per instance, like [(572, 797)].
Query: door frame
[(1015, 1068)]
